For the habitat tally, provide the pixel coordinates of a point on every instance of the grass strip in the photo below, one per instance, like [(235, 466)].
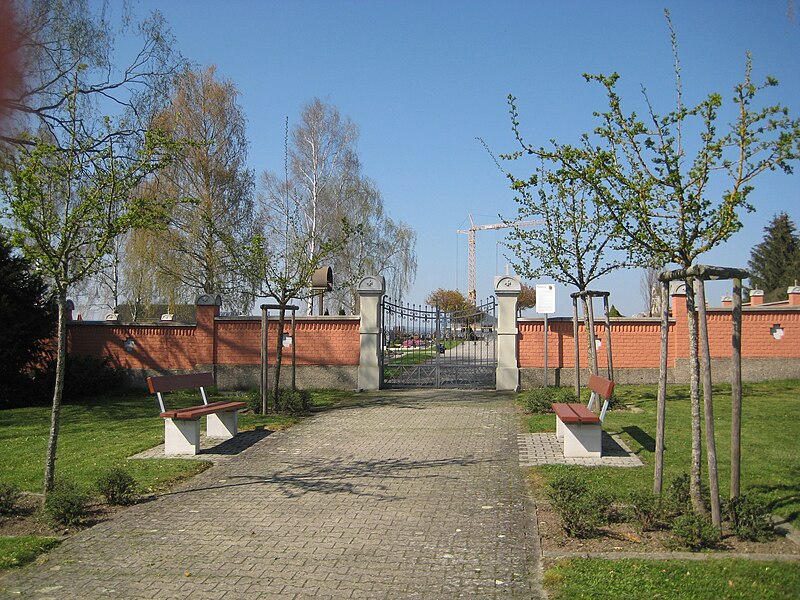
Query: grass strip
[(731, 579), (17, 551)]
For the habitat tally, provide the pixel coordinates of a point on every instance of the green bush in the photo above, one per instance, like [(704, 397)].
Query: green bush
[(644, 510), (290, 402), (9, 497), (118, 487), (695, 531), (750, 518), (539, 400), (581, 507), (678, 499), (66, 504), (294, 402), (253, 398)]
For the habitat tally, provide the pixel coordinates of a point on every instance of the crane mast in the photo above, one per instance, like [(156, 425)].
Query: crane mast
[(472, 279)]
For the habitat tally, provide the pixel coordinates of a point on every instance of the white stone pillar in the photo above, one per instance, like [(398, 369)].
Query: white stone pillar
[(370, 367), (507, 289)]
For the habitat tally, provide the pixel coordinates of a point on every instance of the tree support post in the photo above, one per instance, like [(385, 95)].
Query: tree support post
[(658, 476), (736, 388), (577, 346), (264, 359), (708, 405)]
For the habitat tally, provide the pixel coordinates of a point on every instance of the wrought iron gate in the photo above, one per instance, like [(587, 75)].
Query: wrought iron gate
[(424, 346)]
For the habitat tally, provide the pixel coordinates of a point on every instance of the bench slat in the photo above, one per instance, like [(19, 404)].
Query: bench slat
[(565, 413), (584, 414), (195, 412), (604, 387), (171, 383), (574, 413)]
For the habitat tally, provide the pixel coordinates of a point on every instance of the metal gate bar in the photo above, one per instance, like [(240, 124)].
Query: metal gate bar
[(424, 346)]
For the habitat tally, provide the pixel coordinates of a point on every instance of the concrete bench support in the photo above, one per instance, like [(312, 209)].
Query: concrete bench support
[(581, 440)]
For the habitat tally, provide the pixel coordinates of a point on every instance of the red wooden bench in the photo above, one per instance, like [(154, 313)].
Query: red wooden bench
[(182, 426), (576, 424)]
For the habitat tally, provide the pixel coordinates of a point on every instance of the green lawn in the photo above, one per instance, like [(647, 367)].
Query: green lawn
[(674, 580), (770, 466), (16, 551), (770, 457), (97, 434)]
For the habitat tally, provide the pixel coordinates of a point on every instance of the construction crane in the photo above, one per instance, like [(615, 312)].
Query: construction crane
[(471, 268)]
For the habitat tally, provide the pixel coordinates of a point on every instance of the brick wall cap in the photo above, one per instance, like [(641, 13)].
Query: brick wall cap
[(756, 292), (209, 300)]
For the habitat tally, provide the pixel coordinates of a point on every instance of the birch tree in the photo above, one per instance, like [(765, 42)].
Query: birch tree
[(384, 247), (324, 166)]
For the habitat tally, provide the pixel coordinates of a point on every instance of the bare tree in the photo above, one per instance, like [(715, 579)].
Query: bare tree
[(65, 52), (650, 288), (324, 168), (385, 247)]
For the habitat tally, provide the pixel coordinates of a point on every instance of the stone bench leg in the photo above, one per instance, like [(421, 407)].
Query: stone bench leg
[(582, 440), (181, 436), (560, 428), (222, 424)]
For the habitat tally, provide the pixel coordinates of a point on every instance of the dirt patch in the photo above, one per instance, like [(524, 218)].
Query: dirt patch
[(622, 537), (29, 519)]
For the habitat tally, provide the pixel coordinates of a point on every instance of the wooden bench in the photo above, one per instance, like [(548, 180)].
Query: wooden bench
[(580, 429), (182, 426)]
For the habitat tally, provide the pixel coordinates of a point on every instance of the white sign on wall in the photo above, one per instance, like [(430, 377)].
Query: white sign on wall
[(545, 298)]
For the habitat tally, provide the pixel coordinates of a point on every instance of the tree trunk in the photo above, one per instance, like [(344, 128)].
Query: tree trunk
[(708, 405), (58, 392), (694, 384)]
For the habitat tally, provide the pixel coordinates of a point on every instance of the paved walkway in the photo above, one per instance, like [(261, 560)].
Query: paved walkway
[(408, 495)]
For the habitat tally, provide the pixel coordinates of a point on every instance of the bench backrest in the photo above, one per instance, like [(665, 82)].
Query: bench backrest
[(172, 383), (600, 387)]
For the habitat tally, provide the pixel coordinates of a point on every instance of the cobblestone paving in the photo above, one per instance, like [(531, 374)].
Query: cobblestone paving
[(408, 495), (546, 449)]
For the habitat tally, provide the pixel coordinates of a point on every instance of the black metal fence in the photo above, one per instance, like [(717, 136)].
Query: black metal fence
[(424, 346)]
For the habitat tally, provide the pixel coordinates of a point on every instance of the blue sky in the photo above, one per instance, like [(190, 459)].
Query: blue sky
[(423, 79)]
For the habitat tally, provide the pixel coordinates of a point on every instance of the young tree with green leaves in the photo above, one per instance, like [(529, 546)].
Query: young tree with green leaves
[(277, 256), (575, 245), (66, 201), (654, 178), (775, 263)]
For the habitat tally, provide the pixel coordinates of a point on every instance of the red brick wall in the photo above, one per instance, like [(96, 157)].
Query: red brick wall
[(330, 341), (319, 341), (636, 343)]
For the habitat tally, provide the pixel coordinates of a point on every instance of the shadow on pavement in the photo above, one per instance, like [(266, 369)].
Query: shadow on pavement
[(339, 476)]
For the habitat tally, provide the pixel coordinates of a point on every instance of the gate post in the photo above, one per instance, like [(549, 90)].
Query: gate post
[(370, 291), (507, 290)]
